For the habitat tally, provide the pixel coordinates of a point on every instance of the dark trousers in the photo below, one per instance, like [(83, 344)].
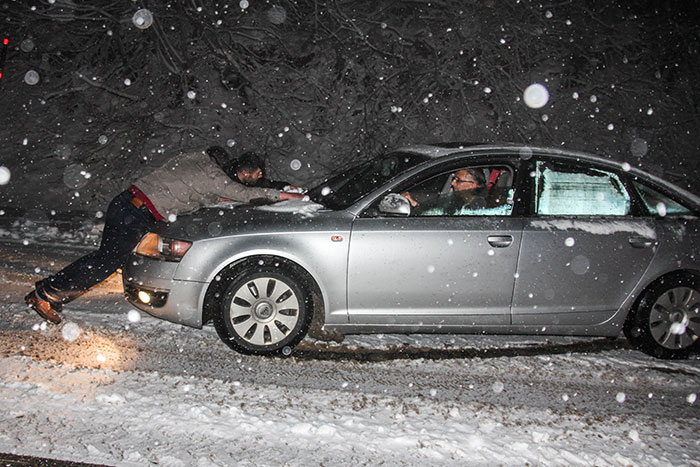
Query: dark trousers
[(125, 225)]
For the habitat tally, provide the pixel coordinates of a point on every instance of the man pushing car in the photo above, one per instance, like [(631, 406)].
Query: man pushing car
[(184, 184)]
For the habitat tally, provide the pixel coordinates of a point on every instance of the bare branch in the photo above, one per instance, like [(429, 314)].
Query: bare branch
[(106, 88)]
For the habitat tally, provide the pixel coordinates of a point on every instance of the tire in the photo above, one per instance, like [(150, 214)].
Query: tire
[(266, 308), (666, 321)]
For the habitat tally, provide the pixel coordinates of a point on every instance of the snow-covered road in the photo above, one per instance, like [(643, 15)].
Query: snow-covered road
[(117, 387)]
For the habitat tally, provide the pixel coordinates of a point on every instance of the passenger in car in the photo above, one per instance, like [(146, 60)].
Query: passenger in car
[(468, 191), (184, 184)]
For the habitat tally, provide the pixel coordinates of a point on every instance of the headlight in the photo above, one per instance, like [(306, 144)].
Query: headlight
[(168, 249)]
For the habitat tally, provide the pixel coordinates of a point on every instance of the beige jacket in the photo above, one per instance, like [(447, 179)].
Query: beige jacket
[(192, 180)]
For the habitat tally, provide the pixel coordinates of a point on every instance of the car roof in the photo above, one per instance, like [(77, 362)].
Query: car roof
[(439, 150)]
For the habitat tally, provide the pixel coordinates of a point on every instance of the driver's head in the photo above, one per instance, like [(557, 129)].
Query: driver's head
[(468, 179), (249, 168)]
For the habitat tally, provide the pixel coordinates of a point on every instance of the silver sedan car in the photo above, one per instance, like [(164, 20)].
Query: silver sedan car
[(450, 238)]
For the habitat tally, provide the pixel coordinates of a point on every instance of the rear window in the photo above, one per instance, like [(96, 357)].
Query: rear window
[(562, 190)]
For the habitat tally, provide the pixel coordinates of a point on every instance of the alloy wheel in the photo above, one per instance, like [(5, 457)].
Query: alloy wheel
[(674, 320), (264, 311)]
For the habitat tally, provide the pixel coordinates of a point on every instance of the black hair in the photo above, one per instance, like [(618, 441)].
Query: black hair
[(479, 177), (250, 162)]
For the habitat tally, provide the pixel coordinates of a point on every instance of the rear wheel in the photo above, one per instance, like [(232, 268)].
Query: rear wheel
[(266, 308), (666, 321)]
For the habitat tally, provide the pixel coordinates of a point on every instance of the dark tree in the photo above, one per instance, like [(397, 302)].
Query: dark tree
[(331, 82)]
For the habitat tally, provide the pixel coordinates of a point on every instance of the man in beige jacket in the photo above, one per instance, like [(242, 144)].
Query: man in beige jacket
[(184, 184)]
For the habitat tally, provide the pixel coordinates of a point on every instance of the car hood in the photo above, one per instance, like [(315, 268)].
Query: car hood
[(228, 219)]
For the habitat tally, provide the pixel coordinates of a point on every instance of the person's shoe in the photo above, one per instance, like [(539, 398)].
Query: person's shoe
[(42, 307)]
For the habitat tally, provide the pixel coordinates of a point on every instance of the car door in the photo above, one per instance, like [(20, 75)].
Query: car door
[(433, 269), (583, 250)]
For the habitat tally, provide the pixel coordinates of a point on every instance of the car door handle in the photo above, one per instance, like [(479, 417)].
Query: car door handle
[(642, 242), (500, 241)]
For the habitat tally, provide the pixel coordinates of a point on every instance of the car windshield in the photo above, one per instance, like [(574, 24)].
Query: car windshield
[(344, 189)]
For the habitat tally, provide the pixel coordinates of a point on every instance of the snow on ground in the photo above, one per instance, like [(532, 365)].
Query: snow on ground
[(94, 410), (115, 386), (142, 418)]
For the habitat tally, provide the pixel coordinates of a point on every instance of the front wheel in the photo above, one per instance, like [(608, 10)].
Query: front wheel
[(666, 321), (266, 309)]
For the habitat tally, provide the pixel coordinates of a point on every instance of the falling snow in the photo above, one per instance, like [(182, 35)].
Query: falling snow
[(110, 369)]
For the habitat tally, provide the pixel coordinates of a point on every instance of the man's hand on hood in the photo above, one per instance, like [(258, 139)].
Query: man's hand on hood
[(284, 195)]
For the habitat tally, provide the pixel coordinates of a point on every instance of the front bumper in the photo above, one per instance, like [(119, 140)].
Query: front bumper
[(172, 300)]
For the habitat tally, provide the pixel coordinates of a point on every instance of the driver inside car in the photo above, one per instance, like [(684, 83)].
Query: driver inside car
[(468, 190)]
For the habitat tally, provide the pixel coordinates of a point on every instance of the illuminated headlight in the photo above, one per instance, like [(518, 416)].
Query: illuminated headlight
[(139, 295), (168, 249), (144, 296)]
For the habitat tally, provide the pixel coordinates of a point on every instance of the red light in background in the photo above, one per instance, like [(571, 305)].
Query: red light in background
[(3, 54)]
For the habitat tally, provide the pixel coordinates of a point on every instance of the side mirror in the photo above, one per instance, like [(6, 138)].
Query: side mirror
[(395, 204)]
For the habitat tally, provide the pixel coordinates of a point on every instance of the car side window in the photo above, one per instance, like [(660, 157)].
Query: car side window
[(455, 193), (566, 191), (657, 203)]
